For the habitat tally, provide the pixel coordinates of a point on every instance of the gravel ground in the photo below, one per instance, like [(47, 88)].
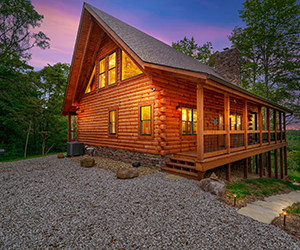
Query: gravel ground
[(50, 203)]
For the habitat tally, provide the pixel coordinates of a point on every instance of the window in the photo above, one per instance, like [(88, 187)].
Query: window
[(145, 120), (113, 122), (112, 69), (189, 121), (102, 73), (235, 122), (129, 68), (91, 84)]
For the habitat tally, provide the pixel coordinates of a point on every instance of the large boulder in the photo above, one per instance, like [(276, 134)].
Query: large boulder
[(216, 187), (127, 174), (87, 162), (60, 156)]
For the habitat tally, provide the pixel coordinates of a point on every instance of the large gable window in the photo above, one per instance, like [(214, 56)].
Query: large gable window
[(189, 121), (129, 68), (102, 73), (91, 84)]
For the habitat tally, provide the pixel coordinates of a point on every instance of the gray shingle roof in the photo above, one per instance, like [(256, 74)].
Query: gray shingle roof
[(151, 50)]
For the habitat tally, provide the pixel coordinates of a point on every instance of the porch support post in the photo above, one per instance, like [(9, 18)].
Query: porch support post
[(200, 123), (276, 163), (285, 161), (275, 125), (226, 120), (281, 163), (261, 165), (245, 124), (69, 127), (280, 125), (256, 164), (228, 171), (246, 168), (260, 125), (268, 126), (284, 126), (269, 164)]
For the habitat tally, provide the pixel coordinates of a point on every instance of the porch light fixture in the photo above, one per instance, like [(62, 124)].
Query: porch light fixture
[(234, 195), (153, 89), (284, 212), (178, 106)]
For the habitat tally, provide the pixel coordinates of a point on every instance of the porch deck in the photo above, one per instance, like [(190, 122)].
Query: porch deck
[(186, 163)]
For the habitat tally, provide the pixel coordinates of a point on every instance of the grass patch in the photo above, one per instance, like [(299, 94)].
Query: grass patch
[(294, 178), (259, 187), (29, 157), (295, 209)]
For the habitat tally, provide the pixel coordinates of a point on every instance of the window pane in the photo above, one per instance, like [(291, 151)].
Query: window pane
[(195, 115), (232, 122), (239, 122), (112, 76), (186, 128), (113, 128), (102, 66), (195, 128), (102, 80), (112, 61), (145, 113), (112, 116), (186, 114), (146, 127), (129, 68)]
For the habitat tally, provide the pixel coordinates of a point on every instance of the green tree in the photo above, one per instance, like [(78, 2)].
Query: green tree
[(204, 53), (269, 46)]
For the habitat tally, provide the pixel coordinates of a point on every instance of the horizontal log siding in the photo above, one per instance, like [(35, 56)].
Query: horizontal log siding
[(127, 95)]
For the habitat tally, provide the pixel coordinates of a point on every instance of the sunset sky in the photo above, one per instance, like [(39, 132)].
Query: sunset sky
[(168, 21)]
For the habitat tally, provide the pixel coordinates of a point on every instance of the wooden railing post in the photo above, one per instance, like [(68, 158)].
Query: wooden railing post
[(284, 126), (200, 123), (245, 123), (260, 125), (246, 168), (268, 126), (280, 125), (226, 121), (285, 161), (260, 165)]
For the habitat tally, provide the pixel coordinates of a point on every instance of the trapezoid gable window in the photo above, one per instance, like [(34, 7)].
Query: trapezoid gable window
[(189, 121), (129, 68), (91, 84), (145, 120)]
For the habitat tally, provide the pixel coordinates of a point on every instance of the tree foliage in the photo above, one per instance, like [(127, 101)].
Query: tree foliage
[(204, 53), (269, 46)]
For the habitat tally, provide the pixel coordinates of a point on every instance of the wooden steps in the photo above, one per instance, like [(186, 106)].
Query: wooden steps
[(181, 166)]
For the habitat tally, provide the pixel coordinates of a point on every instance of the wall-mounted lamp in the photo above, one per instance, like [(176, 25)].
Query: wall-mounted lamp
[(78, 107), (153, 89), (178, 107)]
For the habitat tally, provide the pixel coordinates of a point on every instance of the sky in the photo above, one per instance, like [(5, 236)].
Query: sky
[(168, 21)]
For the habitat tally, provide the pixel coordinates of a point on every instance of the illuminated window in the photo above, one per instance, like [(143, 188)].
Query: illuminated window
[(102, 73), (235, 122), (112, 69), (145, 120), (112, 122), (189, 121), (129, 68), (91, 84)]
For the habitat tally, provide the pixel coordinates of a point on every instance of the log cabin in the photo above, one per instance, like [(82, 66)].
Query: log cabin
[(137, 99)]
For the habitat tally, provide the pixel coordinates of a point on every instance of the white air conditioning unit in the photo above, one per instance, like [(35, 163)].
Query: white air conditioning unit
[(74, 148)]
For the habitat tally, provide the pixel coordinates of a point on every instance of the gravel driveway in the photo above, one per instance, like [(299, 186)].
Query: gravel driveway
[(50, 203)]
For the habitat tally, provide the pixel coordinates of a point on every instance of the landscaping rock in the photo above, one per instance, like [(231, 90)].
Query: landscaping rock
[(60, 156), (87, 162), (127, 174), (213, 186)]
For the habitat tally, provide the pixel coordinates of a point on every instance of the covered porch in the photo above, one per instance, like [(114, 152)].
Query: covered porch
[(233, 126)]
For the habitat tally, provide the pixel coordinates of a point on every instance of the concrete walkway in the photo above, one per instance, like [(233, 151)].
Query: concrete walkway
[(265, 211)]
